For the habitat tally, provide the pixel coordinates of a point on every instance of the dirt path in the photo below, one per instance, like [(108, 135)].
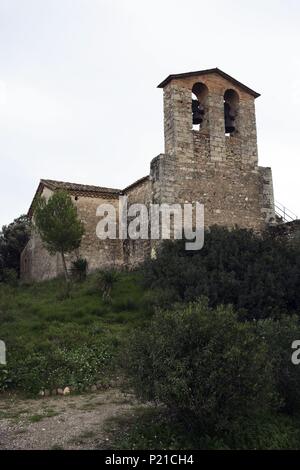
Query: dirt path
[(71, 422)]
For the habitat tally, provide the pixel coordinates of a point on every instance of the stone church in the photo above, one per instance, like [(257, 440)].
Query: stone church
[(210, 156)]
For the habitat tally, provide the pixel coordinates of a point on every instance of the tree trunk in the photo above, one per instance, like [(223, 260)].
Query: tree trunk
[(65, 266)]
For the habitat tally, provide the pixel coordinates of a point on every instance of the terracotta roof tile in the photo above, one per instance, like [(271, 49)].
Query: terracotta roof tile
[(85, 190), (80, 188)]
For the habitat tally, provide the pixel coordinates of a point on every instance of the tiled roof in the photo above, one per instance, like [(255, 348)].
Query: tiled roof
[(85, 190), (78, 189), (207, 72)]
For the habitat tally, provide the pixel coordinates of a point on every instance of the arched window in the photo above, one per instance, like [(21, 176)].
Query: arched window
[(231, 108), (199, 105)]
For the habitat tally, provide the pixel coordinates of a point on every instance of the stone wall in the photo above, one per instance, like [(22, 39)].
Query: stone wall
[(38, 264), (99, 253), (135, 251), (267, 195), (208, 166)]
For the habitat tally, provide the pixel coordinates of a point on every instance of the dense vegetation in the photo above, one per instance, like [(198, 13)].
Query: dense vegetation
[(206, 335), (259, 276), (157, 428), (203, 364), (13, 238), (220, 377), (222, 365)]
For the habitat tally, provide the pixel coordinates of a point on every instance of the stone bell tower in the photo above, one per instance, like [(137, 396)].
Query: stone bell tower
[(211, 150)]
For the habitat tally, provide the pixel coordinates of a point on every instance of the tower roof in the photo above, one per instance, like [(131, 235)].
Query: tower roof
[(206, 72)]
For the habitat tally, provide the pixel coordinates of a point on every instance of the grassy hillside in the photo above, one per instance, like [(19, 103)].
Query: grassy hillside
[(54, 341)]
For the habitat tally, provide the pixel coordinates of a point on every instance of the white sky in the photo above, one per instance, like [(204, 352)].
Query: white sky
[(78, 97)]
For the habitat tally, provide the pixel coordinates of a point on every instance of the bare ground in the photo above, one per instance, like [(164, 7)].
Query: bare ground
[(71, 422)]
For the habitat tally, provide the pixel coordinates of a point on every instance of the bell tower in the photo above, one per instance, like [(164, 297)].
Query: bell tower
[(211, 150)]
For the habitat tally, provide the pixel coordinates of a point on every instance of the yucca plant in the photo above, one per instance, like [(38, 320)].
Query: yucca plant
[(106, 280), (79, 269)]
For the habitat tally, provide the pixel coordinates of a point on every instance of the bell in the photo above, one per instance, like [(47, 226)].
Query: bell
[(229, 117), (198, 112)]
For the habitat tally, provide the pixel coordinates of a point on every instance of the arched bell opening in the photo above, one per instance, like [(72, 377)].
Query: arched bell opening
[(199, 106), (231, 110)]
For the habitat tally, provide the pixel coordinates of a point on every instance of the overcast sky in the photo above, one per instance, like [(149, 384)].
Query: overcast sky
[(78, 96)]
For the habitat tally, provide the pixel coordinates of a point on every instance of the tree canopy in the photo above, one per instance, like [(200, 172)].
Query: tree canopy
[(257, 274), (13, 238), (58, 224)]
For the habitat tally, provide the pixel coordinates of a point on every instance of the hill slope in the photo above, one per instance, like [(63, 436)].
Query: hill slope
[(54, 340)]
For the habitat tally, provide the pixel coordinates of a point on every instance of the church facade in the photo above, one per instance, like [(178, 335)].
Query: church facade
[(210, 157)]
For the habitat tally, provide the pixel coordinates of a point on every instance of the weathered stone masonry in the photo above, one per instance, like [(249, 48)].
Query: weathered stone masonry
[(209, 165), (205, 165)]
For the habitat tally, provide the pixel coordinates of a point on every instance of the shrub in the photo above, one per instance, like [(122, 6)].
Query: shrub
[(155, 428), (279, 336), (265, 432), (79, 269), (54, 367), (13, 239), (10, 276), (161, 298), (260, 276), (203, 364), (106, 280)]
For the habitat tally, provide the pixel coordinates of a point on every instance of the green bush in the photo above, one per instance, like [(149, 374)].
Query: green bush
[(264, 432), (203, 364), (155, 428), (106, 280), (13, 239), (260, 276), (279, 336), (56, 367)]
